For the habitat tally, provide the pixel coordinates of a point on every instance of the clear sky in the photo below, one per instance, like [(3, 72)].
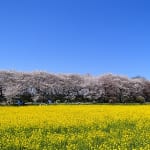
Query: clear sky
[(76, 36)]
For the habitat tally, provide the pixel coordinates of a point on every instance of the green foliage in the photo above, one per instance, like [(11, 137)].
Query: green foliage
[(58, 101), (140, 99)]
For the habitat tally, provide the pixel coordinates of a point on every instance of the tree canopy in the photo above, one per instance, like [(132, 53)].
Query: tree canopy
[(41, 86)]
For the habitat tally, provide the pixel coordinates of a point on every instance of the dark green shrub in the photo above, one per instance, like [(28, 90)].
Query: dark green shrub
[(140, 99)]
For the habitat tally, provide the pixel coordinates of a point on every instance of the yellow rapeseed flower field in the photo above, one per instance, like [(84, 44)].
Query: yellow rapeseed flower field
[(75, 127)]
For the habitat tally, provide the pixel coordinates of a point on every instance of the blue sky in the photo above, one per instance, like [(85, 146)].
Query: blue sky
[(76, 36)]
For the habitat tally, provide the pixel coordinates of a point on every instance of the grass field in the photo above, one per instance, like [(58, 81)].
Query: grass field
[(75, 127)]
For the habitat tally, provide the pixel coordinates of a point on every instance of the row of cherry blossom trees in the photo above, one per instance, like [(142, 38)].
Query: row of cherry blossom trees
[(41, 86)]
